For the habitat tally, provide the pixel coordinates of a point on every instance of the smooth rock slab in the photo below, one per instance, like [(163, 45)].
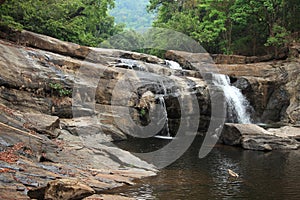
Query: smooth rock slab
[(286, 132), (268, 143), (253, 137), (232, 133)]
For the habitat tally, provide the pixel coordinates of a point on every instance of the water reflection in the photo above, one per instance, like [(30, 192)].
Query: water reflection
[(272, 175)]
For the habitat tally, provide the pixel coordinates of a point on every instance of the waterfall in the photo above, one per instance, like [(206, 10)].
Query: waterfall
[(165, 133), (173, 65), (236, 102), (132, 64), (165, 114)]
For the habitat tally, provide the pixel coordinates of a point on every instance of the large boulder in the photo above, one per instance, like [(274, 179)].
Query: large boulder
[(286, 132), (253, 137)]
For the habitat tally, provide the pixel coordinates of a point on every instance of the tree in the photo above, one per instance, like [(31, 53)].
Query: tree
[(231, 26), (81, 21)]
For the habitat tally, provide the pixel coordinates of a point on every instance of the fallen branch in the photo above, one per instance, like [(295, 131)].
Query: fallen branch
[(20, 131)]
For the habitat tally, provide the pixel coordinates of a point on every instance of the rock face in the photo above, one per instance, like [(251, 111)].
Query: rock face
[(271, 87), (99, 85), (253, 137), (286, 132), (43, 164)]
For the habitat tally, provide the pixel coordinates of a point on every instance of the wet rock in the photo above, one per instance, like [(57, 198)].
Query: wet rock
[(143, 57), (253, 137)]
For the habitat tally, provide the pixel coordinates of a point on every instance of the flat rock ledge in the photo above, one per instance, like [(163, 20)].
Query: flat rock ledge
[(41, 159), (253, 137)]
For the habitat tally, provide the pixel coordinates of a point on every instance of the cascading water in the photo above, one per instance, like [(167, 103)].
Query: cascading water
[(237, 104), (131, 64), (164, 119), (173, 65)]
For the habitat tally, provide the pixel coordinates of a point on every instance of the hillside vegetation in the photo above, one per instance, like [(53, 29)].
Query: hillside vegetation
[(133, 14), (248, 27), (81, 21)]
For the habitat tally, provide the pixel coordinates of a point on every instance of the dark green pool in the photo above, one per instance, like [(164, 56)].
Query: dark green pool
[(263, 175)]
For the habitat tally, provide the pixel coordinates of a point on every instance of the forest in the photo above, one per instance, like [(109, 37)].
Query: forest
[(243, 27), (247, 27), (85, 22)]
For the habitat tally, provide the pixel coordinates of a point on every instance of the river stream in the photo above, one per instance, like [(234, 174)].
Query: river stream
[(263, 175)]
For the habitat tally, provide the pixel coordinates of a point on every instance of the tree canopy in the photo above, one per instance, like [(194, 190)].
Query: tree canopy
[(84, 22), (249, 27)]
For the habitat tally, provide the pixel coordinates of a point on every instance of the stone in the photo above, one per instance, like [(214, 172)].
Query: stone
[(268, 143), (83, 126), (232, 133), (42, 123), (66, 156), (253, 137), (66, 189), (51, 44), (229, 59), (286, 132)]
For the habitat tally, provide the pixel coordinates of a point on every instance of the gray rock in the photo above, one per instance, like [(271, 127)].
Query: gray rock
[(286, 132), (253, 137), (44, 124)]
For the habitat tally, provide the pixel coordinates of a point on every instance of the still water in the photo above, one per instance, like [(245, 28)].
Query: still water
[(263, 175)]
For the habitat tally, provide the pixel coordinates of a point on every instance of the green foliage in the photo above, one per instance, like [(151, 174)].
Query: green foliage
[(58, 89), (142, 112), (81, 21), (279, 38), (226, 26), (8, 21)]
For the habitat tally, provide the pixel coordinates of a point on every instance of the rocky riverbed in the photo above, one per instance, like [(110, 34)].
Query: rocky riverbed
[(56, 130)]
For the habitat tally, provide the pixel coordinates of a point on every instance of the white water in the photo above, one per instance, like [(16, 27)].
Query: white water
[(236, 102), (173, 65), (164, 119), (132, 64)]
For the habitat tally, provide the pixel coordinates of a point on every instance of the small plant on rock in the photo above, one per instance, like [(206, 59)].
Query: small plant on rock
[(58, 89)]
